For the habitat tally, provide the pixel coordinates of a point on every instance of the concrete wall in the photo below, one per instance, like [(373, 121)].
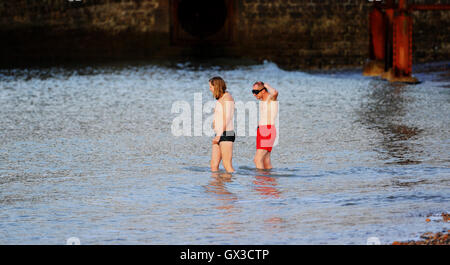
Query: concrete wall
[(293, 33)]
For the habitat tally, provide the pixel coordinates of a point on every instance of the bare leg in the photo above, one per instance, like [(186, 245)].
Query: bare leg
[(226, 149), (267, 162), (259, 158), (215, 157)]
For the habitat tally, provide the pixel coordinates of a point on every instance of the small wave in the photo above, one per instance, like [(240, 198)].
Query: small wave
[(275, 172), (416, 197), (198, 169)]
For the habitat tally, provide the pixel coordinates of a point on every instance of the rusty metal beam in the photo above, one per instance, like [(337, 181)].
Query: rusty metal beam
[(418, 7), (414, 7)]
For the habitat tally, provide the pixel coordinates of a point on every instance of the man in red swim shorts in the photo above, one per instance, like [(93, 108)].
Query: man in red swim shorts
[(266, 132)]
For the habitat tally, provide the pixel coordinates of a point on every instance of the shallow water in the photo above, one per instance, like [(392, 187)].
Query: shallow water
[(88, 152)]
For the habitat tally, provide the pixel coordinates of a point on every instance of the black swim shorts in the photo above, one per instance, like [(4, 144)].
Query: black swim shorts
[(227, 136)]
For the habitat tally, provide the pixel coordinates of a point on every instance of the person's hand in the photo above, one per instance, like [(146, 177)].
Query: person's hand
[(216, 140)]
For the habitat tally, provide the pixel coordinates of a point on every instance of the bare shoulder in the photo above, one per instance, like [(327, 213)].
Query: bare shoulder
[(227, 97)]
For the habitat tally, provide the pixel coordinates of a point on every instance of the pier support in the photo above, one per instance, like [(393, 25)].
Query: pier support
[(391, 40), (377, 49)]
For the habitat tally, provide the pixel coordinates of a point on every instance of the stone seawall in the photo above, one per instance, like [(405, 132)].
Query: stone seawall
[(292, 33)]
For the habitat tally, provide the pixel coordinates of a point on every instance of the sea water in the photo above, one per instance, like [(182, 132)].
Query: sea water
[(89, 152)]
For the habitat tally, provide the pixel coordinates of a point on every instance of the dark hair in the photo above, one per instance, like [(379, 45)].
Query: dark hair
[(260, 85)]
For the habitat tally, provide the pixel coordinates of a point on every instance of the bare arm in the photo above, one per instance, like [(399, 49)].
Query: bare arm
[(272, 91), (218, 122)]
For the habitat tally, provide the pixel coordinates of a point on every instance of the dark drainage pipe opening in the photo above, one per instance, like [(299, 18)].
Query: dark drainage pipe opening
[(202, 18)]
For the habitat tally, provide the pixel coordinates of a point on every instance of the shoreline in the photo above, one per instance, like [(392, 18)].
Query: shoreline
[(430, 238)]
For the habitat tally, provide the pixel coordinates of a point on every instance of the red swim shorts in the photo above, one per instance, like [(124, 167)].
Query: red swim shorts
[(265, 137)]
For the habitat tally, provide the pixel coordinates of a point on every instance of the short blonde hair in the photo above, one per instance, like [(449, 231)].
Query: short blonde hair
[(219, 86)]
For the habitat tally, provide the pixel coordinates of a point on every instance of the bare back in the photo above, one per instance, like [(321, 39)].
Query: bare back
[(224, 114)]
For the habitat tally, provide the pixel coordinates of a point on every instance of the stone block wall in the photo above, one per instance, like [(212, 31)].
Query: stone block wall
[(293, 33), (307, 33)]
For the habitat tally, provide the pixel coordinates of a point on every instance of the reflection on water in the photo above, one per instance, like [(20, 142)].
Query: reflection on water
[(88, 152), (266, 186), (228, 202), (217, 186), (383, 112)]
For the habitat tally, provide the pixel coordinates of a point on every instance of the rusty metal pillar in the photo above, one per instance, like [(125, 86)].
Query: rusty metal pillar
[(401, 70), (398, 60), (377, 39), (402, 40), (377, 34), (396, 25)]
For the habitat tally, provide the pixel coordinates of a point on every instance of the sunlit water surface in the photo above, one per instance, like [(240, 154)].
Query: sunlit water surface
[(88, 152)]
